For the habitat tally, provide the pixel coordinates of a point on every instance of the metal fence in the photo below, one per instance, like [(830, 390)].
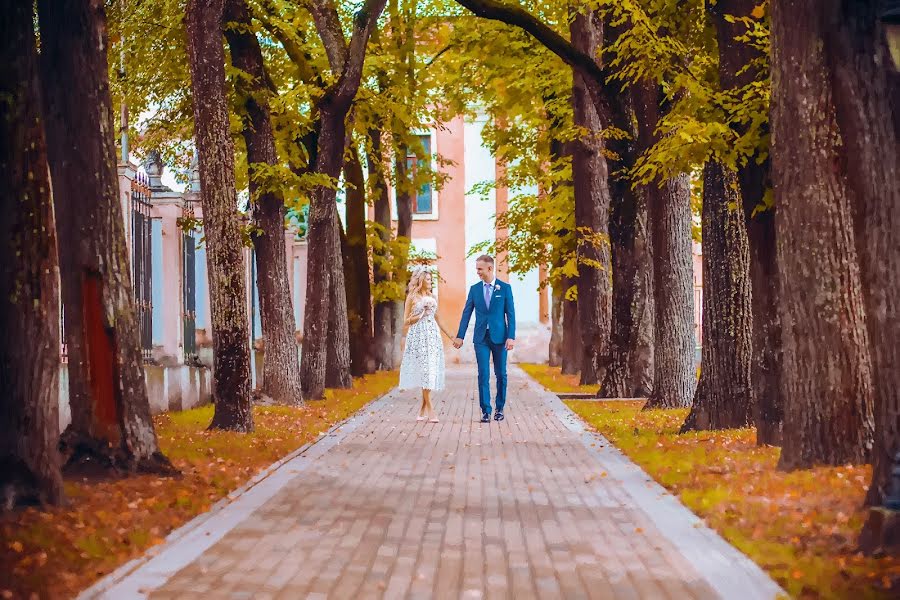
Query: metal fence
[(189, 289), (142, 260)]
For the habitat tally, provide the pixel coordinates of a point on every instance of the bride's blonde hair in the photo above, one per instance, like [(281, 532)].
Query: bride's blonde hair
[(417, 283)]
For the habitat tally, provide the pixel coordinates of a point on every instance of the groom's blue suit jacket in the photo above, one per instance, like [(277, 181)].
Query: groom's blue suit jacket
[(499, 321)]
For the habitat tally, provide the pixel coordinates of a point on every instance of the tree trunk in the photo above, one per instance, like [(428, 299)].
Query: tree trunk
[(592, 200), (826, 379), (325, 291), (669, 214), (29, 309), (735, 71), (111, 425), (571, 342), (404, 235), (356, 266), (629, 360), (556, 329), (281, 365), (723, 396), (384, 315), (858, 63), (225, 260), (325, 321)]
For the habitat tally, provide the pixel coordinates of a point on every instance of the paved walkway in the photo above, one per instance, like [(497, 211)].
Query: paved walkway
[(385, 507)]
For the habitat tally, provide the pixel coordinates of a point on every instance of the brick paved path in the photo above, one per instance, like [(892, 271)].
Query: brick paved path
[(388, 507)]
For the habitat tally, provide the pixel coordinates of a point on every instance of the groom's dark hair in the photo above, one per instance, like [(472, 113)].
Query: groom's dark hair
[(485, 258)]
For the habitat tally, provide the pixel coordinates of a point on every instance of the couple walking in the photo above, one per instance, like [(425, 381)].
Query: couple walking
[(495, 332)]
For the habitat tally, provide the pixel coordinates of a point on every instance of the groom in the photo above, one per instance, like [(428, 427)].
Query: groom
[(495, 333)]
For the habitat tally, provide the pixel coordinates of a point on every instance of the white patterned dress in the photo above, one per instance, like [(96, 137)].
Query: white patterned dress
[(423, 358)]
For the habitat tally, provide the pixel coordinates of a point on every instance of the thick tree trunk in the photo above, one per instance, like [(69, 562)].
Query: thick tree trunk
[(225, 260), (383, 326), (356, 267), (571, 341), (862, 93), (592, 200), (111, 425), (404, 234), (29, 292), (723, 396), (326, 338), (629, 360), (281, 365), (826, 379), (669, 214), (556, 329), (735, 57)]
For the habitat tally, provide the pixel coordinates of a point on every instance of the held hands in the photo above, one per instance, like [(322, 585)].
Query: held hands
[(510, 344), (457, 343)]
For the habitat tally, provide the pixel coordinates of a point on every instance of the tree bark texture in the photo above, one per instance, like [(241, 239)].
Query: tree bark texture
[(221, 224), (281, 364), (383, 326), (669, 214), (556, 329), (723, 396), (629, 359), (859, 69), (592, 201), (826, 379), (29, 291), (404, 198), (571, 342), (356, 266), (111, 425), (755, 178), (325, 275)]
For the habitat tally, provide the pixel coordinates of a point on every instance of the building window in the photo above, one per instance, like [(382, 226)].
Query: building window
[(423, 200)]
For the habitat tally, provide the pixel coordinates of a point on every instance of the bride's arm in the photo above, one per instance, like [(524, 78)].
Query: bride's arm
[(409, 318)]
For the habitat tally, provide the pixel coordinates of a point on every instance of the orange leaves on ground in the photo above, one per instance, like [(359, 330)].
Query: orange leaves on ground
[(553, 379), (57, 553), (801, 526)]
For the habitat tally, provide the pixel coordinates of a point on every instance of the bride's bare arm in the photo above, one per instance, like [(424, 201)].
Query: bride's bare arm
[(409, 318)]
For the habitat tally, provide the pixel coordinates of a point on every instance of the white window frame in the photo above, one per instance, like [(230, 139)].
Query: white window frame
[(434, 215)]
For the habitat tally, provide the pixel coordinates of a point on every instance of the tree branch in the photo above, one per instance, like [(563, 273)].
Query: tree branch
[(521, 18), (328, 24), (343, 92)]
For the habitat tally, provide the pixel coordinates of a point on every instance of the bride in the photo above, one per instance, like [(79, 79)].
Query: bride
[(423, 358)]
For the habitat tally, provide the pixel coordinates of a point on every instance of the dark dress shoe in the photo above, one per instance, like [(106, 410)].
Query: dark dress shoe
[(498, 416), (486, 418)]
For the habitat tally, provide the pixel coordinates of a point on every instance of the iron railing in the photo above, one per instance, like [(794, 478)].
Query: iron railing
[(142, 260), (189, 289)]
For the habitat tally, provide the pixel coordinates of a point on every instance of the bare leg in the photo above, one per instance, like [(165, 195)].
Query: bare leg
[(426, 396), (421, 416)]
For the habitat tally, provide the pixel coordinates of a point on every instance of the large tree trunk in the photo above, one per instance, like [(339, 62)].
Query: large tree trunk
[(571, 339), (857, 61), (383, 326), (735, 71), (592, 200), (669, 214), (225, 260), (111, 425), (325, 321), (404, 235), (826, 379), (281, 365), (723, 396), (629, 360), (29, 292), (556, 329), (325, 273), (356, 263)]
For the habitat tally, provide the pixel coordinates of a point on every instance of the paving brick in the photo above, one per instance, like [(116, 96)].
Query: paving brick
[(458, 509)]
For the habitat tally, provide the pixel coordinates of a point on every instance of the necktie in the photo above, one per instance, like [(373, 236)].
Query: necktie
[(487, 295)]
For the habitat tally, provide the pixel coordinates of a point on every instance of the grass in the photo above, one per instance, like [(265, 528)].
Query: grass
[(800, 527), (57, 553), (553, 379)]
